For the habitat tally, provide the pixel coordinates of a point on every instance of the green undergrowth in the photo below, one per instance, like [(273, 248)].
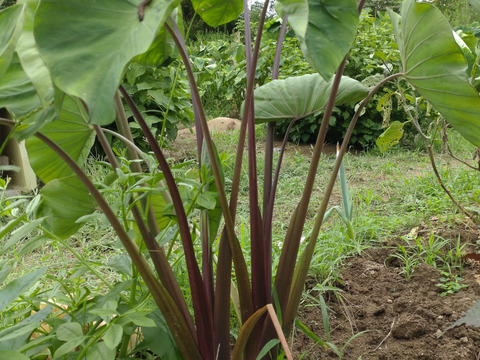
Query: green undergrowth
[(391, 193)]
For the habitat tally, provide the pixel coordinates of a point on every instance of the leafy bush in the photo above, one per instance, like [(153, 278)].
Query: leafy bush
[(219, 67), (163, 98), (373, 56)]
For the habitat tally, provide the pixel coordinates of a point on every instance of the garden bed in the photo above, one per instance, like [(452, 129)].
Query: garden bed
[(400, 318)]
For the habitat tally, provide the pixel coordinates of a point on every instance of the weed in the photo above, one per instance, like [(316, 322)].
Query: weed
[(327, 344), (450, 284), (408, 260), (431, 250)]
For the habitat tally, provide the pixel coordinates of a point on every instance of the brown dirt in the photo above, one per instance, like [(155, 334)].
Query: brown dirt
[(184, 147), (402, 318)]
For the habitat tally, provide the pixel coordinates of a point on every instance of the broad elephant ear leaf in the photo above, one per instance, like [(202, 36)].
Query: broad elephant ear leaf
[(62, 212), (435, 65), (218, 12), (30, 58), (86, 44), (297, 12), (71, 132), (162, 50), (11, 24), (300, 96), (19, 96), (334, 22)]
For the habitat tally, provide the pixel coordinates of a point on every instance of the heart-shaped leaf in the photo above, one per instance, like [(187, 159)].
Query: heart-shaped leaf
[(218, 12), (163, 49), (297, 97), (331, 29), (71, 132), (86, 44), (62, 212), (297, 12), (435, 65), (11, 24), (19, 96), (30, 58)]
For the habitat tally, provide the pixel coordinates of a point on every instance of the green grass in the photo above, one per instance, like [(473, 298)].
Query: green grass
[(392, 194)]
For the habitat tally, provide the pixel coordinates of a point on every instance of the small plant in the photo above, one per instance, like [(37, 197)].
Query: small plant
[(327, 344), (431, 250), (450, 284), (408, 259)]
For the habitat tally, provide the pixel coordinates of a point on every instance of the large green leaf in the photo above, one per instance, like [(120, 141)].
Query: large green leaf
[(163, 48), (19, 96), (435, 65), (11, 23), (87, 43), (331, 29), (218, 12), (30, 58), (71, 132), (297, 97), (297, 11), (61, 212)]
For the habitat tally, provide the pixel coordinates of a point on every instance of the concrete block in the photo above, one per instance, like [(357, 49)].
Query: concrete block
[(16, 154)]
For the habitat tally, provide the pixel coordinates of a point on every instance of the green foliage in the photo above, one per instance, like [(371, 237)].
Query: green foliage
[(373, 56), (408, 259), (379, 6), (84, 47), (7, 3), (450, 284), (163, 97), (219, 67), (457, 12)]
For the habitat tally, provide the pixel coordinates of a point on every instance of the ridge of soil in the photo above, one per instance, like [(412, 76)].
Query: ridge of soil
[(402, 319)]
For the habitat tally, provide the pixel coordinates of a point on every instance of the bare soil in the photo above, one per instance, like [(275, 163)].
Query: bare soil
[(402, 319), (184, 147)]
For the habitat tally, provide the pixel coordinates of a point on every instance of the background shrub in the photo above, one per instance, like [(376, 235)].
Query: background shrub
[(163, 97)]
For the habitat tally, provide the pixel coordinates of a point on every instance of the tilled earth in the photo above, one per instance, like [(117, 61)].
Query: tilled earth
[(402, 319)]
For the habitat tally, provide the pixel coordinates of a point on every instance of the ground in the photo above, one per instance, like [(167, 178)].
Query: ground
[(395, 317), (402, 319)]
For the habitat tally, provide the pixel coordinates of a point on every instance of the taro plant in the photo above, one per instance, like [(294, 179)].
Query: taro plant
[(61, 66)]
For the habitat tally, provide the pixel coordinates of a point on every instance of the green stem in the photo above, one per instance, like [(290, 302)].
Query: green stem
[(174, 318), (164, 123)]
